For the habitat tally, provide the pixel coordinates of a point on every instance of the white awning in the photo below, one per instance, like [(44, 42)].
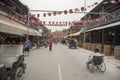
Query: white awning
[(11, 30), (77, 33), (10, 26), (105, 26), (35, 32)]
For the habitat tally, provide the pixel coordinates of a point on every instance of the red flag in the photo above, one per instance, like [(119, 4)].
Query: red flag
[(76, 9)]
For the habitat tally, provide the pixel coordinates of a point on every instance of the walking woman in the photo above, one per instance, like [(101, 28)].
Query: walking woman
[(50, 43)]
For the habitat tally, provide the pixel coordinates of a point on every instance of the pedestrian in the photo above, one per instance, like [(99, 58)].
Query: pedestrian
[(50, 43), (27, 46)]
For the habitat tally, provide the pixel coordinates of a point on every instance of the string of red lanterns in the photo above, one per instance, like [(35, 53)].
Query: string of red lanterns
[(72, 23), (67, 11), (81, 9), (54, 23)]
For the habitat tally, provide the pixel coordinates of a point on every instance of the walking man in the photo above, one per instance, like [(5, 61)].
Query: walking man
[(27, 46)]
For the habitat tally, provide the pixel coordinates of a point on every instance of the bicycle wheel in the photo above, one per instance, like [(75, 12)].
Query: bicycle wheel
[(91, 68), (19, 74), (103, 67)]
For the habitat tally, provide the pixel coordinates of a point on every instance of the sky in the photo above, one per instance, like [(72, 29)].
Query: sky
[(58, 5)]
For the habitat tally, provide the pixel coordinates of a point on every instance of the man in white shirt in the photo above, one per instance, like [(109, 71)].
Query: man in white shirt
[(90, 59)]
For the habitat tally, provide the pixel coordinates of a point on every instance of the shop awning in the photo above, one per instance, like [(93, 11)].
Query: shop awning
[(10, 26), (105, 26), (36, 32), (77, 33), (4, 28)]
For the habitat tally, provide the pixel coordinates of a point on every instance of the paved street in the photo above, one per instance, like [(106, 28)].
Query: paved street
[(63, 63)]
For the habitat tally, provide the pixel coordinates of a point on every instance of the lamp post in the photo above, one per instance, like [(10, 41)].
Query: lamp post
[(84, 19), (28, 24)]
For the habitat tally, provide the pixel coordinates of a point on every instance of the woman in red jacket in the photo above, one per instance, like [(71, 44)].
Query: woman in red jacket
[(50, 43)]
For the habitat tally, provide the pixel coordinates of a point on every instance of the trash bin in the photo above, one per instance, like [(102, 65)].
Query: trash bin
[(99, 46), (107, 50), (117, 52), (80, 44), (89, 46), (93, 46), (84, 45)]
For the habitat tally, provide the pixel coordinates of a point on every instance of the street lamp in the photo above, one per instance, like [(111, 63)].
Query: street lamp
[(84, 19), (28, 24)]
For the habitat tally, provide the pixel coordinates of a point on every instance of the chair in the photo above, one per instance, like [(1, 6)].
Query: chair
[(97, 60)]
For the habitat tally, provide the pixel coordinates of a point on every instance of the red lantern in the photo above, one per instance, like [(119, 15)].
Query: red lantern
[(54, 13), (49, 22), (82, 8), (57, 23), (49, 14), (44, 22), (95, 3), (33, 15), (65, 11), (53, 22), (44, 14), (38, 15), (70, 11)]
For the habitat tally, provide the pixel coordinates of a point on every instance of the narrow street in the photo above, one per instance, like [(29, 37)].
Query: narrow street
[(63, 63)]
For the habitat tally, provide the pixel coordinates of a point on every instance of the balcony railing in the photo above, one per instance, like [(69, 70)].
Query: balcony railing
[(8, 10), (109, 18)]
